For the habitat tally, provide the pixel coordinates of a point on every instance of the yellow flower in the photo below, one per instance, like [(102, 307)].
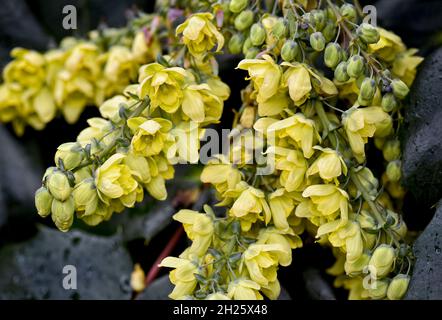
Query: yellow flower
[(162, 85), (219, 88), (326, 202), (347, 236), (285, 238), (99, 130), (388, 46), (145, 49), (244, 289), (300, 129), (265, 74), (249, 206), (27, 69), (199, 102), (187, 136), (297, 79), (281, 205), (110, 109), (329, 165), (150, 135), (82, 58), (114, 180), (221, 174), (120, 66), (183, 277), (363, 123), (262, 262), (199, 229), (405, 66), (199, 34)]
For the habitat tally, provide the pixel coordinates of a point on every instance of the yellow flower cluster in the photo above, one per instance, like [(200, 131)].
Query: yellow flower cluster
[(132, 148), (80, 73)]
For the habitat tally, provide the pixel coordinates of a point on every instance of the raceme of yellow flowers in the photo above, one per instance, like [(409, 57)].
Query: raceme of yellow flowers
[(79, 73), (315, 131), (131, 149)]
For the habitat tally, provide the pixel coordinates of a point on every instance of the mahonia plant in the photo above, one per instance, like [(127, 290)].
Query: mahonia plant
[(323, 85), (80, 72)]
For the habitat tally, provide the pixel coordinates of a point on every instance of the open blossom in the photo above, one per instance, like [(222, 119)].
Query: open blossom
[(183, 276), (363, 123), (199, 229), (150, 135), (164, 86), (244, 289), (200, 34), (329, 165)]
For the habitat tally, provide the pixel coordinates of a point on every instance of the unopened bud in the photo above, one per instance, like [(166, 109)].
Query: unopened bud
[(391, 150), (279, 30), (257, 34), (236, 43), (398, 287), (367, 91), (400, 89), (246, 46), (70, 153), (317, 41), (389, 102), (43, 202), (329, 31), (355, 66), (85, 192), (319, 19), (248, 117), (381, 261), (368, 33), (244, 20), (236, 6), (341, 74), (332, 55), (378, 289), (349, 12), (353, 268), (63, 213), (252, 53), (58, 186), (290, 50), (394, 171)]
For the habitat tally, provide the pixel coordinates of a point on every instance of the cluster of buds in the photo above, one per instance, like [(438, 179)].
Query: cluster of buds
[(315, 131), (79, 73), (132, 148)]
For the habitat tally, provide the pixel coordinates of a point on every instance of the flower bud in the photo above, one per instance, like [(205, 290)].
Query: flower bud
[(236, 6), (244, 20), (70, 153), (63, 213), (368, 33), (367, 91), (329, 31), (389, 102), (394, 171), (341, 74), (366, 220), (391, 150), (248, 117), (355, 66), (398, 287), (84, 192), (396, 223), (400, 89), (252, 53), (354, 268), (332, 55), (349, 12), (379, 142), (58, 186), (378, 289), (290, 50), (368, 180), (246, 46), (381, 261), (43, 202), (236, 43), (257, 34), (317, 41), (318, 17), (279, 30)]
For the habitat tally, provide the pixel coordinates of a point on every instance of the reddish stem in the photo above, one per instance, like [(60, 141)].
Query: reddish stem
[(153, 272)]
